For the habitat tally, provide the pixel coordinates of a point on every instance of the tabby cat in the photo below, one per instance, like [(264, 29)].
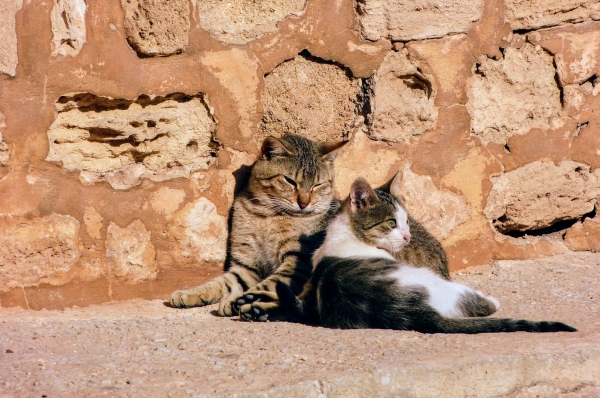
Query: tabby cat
[(358, 282), (276, 223)]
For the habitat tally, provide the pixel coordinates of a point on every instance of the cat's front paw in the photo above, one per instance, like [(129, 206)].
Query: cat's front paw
[(185, 299), (256, 306), (261, 312)]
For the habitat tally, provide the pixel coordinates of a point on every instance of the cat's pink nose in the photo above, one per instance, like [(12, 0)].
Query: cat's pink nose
[(407, 238), (302, 205)]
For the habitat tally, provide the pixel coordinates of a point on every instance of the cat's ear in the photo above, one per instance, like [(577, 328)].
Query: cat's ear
[(330, 150), (393, 186), (361, 195), (272, 147)]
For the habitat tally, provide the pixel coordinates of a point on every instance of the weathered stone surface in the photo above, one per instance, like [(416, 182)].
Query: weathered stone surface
[(577, 49), (240, 21), (534, 14), (540, 194), (4, 148), (157, 27), (401, 100), (166, 200), (363, 157), (310, 97), (584, 236), (130, 254), (93, 222), (200, 231), (68, 27), (8, 36), (122, 141), (238, 72), (39, 249), (513, 95), (450, 61), (403, 20), (438, 210)]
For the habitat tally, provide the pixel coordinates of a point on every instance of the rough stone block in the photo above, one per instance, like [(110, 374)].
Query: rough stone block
[(4, 148), (241, 21), (93, 222), (577, 49), (130, 254), (157, 27), (584, 236), (513, 95), (39, 249), (533, 14), (401, 100), (68, 26), (414, 20), (8, 36), (122, 141), (200, 231), (438, 210), (541, 194), (309, 97)]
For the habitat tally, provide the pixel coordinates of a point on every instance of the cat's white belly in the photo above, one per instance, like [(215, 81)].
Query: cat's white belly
[(444, 296)]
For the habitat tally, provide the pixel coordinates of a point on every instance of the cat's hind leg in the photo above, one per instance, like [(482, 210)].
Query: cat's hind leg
[(475, 304)]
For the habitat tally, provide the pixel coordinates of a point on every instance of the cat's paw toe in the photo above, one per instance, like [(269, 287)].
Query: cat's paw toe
[(227, 308), (181, 299), (252, 313), (246, 299)]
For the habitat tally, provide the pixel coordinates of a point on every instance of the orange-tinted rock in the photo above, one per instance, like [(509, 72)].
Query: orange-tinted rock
[(309, 97), (43, 248), (130, 254), (542, 13), (8, 36), (513, 95), (157, 28), (403, 21), (577, 49), (540, 194), (68, 27), (401, 99), (584, 236), (123, 141)]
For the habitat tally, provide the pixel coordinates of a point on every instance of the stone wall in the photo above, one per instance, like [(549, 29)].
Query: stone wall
[(125, 123)]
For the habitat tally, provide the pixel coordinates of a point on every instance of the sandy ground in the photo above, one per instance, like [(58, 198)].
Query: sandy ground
[(144, 348)]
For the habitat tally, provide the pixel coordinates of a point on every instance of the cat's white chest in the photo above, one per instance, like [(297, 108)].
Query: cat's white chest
[(341, 242)]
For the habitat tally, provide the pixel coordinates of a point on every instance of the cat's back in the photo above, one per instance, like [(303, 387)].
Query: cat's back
[(424, 250)]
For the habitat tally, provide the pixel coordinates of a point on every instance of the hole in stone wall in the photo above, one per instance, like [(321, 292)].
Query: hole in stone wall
[(558, 84), (364, 100), (151, 123), (416, 82), (506, 148), (559, 226), (192, 146), (478, 70), (556, 227), (589, 85)]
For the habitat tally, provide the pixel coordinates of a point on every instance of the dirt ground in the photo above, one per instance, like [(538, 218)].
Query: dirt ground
[(144, 348)]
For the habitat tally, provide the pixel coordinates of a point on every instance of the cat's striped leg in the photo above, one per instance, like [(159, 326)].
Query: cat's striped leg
[(225, 289), (261, 302)]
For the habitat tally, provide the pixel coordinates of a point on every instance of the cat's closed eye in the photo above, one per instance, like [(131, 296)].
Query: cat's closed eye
[(290, 181), (320, 185)]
